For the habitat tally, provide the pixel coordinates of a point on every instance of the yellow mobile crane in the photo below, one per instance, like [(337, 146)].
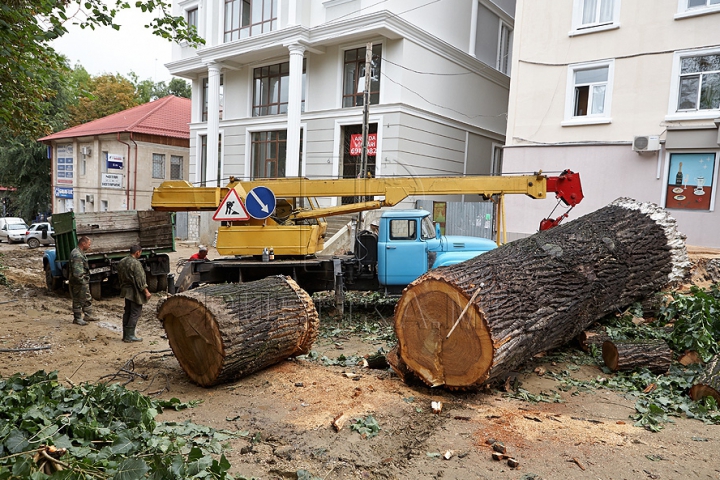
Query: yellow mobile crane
[(294, 226)]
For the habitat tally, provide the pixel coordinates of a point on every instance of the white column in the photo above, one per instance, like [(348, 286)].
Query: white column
[(213, 124), (293, 117)]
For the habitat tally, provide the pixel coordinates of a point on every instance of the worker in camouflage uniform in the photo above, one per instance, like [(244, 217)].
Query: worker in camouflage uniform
[(80, 283), (133, 287)]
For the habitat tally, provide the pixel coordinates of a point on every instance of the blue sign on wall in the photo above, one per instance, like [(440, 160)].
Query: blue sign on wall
[(260, 203), (62, 192)]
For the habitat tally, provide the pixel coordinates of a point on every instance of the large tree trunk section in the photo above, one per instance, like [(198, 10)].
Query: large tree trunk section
[(708, 383), (655, 355), (223, 332), (535, 294)]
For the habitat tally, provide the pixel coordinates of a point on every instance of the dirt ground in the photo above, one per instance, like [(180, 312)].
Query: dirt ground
[(291, 405)]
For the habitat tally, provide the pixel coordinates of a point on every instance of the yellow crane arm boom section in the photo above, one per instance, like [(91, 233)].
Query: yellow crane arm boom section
[(182, 196)]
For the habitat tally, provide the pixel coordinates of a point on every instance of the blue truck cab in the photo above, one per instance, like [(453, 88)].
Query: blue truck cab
[(409, 245)]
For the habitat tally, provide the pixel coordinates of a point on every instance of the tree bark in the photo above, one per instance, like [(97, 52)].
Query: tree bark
[(592, 337), (655, 355), (535, 294), (226, 331), (708, 383)]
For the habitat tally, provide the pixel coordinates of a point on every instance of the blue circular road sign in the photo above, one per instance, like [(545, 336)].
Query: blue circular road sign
[(260, 203)]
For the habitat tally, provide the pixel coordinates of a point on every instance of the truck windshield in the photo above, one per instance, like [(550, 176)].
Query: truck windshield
[(428, 229)]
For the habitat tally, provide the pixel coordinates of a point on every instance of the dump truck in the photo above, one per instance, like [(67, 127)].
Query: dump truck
[(112, 234), (283, 215)]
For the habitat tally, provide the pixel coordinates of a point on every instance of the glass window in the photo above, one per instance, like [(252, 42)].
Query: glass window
[(403, 229), (354, 76), (590, 88), (701, 3), (246, 18), (158, 167), (205, 98), (103, 205), (202, 176), (104, 163), (504, 48), (268, 154), (176, 167), (270, 89), (699, 86), (597, 12), (192, 17)]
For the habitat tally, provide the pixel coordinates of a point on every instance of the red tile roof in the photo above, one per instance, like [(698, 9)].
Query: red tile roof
[(168, 117)]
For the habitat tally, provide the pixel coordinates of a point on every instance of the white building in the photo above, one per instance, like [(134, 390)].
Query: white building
[(626, 92), (283, 79)]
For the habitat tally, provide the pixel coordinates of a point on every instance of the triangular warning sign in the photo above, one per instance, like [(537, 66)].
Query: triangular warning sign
[(231, 209)]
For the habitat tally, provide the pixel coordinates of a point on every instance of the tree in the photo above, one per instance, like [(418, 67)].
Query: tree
[(27, 62), (147, 90), (180, 88), (107, 94)]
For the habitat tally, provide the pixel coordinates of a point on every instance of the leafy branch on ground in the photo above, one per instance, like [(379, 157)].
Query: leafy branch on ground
[(686, 321), (367, 427), (108, 431)]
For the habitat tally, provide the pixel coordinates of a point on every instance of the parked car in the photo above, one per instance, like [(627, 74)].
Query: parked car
[(39, 234), (13, 232)]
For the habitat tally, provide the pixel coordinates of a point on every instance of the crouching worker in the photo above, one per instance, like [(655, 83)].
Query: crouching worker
[(133, 287)]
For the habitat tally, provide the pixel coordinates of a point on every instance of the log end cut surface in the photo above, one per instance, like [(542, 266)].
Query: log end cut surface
[(699, 391), (610, 355), (428, 311), (192, 330)]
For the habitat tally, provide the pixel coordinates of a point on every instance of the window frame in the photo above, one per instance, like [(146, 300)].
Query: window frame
[(684, 11), (578, 28), (673, 113), (410, 237), (358, 97), (590, 119), (279, 162), (204, 97), (282, 78), (507, 52), (173, 159), (266, 25), (158, 156), (190, 13)]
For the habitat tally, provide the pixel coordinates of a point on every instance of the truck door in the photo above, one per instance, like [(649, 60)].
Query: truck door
[(402, 255)]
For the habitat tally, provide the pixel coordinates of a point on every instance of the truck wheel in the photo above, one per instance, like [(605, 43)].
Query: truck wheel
[(33, 242), (162, 283), (152, 282), (96, 290), (53, 284)]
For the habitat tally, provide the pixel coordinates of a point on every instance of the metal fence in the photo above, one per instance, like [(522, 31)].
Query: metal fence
[(474, 219)]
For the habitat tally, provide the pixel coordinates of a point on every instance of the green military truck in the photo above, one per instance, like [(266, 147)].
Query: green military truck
[(112, 234)]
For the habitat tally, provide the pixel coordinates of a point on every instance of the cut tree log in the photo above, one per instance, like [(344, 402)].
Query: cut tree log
[(707, 384), (655, 355), (592, 337), (534, 294), (220, 333)]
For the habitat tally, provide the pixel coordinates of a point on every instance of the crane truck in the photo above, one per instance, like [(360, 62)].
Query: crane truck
[(294, 227)]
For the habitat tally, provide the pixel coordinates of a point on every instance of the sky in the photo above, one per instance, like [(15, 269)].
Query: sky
[(132, 48)]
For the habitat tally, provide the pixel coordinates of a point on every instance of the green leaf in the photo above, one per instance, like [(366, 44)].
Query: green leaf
[(16, 442), (123, 444), (131, 469)]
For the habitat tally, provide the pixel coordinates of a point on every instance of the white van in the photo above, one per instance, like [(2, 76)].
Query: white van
[(12, 229)]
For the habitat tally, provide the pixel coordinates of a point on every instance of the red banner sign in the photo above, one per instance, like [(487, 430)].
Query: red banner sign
[(356, 144)]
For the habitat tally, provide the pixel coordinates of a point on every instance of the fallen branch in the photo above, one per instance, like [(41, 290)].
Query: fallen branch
[(25, 349)]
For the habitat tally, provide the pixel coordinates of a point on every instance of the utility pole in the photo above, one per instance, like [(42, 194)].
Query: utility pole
[(366, 116)]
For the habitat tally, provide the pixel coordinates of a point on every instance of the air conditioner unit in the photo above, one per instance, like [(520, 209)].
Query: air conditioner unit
[(86, 150), (90, 198), (646, 143)]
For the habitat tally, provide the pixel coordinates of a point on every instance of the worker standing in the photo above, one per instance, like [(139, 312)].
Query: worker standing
[(80, 283), (133, 287)]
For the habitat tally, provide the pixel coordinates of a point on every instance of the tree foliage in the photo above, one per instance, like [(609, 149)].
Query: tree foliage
[(106, 94), (147, 90), (28, 63)]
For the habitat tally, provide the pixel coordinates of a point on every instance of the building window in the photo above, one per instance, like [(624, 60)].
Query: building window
[(354, 76), (699, 83), (192, 17), (83, 167), (82, 206), (247, 18), (202, 176), (595, 15), (205, 96), (268, 154), (271, 87), (158, 167), (104, 162), (589, 93), (103, 205), (504, 48), (176, 170), (690, 181)]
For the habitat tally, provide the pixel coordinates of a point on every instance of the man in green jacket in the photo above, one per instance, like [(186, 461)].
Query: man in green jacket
[(133, 287), (80, 283)]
